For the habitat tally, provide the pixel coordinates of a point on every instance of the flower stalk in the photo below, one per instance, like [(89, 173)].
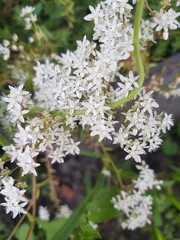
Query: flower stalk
[(137, 56)]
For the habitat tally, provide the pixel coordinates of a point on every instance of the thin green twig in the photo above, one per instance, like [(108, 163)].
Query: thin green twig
[(137, 56)]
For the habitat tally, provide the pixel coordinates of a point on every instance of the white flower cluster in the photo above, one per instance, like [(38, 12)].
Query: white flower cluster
[(29, 17), (18, 100), (136, 204), (166, 20), (18, 74), (4, 49), (82, 79), (15, 202), (64, 211), (142, 127), (40, 135), (7, 46), (43, 213)]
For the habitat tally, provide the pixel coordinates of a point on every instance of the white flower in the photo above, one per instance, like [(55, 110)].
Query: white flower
[(93, 225), (135, 203), (64, 211), (15, 202), (29, 17), (147, 31), (12, 151), (5, 52), (95, 14), (126, 84), (134, 151), (124, 6), (14, 37), (121, 137), (43, 213), (154, 143), (140, 130), (17, 100), (166, 20), (106, 173), (23, 158), (26, 162), (103, 128), (22, 137), (26, 10), (167, 122), (146, 180)]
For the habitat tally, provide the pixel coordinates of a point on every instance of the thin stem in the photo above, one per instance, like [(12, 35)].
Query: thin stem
[(148, 7), (19, 223), (112, 164), (28, 237), (51, 183), (137, 56)]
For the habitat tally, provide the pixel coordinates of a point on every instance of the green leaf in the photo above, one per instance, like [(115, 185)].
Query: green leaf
[(3, 141), (160, 49), (175, 202), (169, 147), (175, 175), (38, 9), (101, 209), (3, 231), (178, 129), (87, 231), (157, 219), (158, 234), (168, 183), (51, 226), (74, 219), (23, 231)]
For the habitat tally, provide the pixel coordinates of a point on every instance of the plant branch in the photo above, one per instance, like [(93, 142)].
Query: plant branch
[(148, 7), (51, 182), (19, 222), (137, 56), (33, 199), (112, 164)]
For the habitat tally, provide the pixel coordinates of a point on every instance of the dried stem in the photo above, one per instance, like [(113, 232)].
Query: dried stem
[(19, 222), (148, 7), (112, 164), (33, 199), (51, 183)]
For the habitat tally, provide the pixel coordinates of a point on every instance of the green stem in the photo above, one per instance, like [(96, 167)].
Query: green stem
[(111, 162), (137, 56)]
